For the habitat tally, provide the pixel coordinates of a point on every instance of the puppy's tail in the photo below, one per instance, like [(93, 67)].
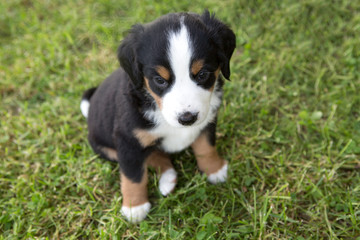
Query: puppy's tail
[(85, 101)]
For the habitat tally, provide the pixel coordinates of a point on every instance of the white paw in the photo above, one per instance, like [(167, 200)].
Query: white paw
[(136, 214), (167, 181), (219, 176)]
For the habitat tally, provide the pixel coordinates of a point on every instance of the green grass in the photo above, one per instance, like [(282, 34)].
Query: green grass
[(289, 124)]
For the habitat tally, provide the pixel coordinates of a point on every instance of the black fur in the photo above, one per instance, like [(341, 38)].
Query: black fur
[(224, 38), (88, 93), (128, 57), (118, 105), (115, 110)]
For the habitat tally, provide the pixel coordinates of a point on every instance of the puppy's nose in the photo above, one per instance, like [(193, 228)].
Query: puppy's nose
[(188, 118)]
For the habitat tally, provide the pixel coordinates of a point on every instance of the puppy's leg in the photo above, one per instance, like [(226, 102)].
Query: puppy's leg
[(134, 178), (135, 204), (208, 159), (162, 164)]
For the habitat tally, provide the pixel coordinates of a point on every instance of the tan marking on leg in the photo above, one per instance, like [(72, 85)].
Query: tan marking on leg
[(159, 161), (110, 153), (197, 66), (144, 137), (163, 72), (134, 194), (157, 98), (162, 164), (206, 155)]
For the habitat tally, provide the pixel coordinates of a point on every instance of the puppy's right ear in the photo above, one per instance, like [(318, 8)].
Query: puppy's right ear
[(127, 55)]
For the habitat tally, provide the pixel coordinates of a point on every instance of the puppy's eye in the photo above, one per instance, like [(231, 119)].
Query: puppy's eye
[(202, 76), (160, 81)]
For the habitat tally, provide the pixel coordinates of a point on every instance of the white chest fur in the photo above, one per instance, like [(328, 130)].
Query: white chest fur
[(176, 139)]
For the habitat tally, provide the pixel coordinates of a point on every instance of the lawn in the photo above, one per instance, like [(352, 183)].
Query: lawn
[(289, 124)]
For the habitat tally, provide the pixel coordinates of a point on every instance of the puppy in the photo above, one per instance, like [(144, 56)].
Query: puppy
[(163, 99)]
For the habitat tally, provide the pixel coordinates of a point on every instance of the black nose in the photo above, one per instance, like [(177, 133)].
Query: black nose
[(188, 118)]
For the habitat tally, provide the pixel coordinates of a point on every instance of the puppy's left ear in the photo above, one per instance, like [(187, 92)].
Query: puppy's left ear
[(223, 37)]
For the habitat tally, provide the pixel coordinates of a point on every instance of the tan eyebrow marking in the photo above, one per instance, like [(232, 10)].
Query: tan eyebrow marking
[(163, 72), (197, 66)]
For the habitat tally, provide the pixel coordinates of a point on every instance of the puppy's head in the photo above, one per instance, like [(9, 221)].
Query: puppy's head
[(178, 59)]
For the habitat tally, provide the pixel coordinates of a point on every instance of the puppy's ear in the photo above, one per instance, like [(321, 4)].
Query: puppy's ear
[(223, 37), (127, 55)]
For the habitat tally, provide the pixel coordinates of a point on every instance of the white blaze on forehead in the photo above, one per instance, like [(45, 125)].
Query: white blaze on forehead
[(180, 51), (185, 95)]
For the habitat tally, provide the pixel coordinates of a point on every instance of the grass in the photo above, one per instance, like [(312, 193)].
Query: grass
[(289, 124)]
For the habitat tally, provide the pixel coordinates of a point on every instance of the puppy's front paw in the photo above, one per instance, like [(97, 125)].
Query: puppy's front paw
[(219, 176), (136, 214), (167, 181)]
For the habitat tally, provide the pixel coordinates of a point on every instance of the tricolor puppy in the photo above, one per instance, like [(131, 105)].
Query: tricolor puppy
[(163, 99)]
